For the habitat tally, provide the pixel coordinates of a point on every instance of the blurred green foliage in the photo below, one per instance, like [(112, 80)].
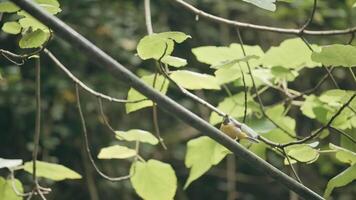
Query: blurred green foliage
[(116, 27)]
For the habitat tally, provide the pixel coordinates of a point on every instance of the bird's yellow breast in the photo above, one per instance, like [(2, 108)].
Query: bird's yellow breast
[(233, 132)]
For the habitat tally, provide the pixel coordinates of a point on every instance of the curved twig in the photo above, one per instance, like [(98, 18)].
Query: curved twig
[(261, 27)]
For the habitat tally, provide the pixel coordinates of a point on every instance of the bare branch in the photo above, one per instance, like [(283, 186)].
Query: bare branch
[(85, 87), (260, 27)]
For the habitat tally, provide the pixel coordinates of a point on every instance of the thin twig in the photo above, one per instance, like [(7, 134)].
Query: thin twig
[(317, 132), (343, 133), (217, 19), (256, 89), (310, 19), (148, 17), (291, 165), (36, 139), (84, 86), (86, 142)]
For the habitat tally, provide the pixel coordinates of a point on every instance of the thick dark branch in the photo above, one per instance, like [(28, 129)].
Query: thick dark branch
[(167, 104), (260, 27)]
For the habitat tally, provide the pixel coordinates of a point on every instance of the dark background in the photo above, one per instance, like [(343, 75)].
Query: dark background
[(116, 26)]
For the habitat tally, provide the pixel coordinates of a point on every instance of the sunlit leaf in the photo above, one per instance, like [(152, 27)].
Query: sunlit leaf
[(302, 153), (194, 81), (234, 107), (174, 61), (336, 55), (215, 56), (202, 154), (344, 155), (52, 171), (154, 180), (137, 135), (161, 85), (34, 39), (6, 190), (340, 180), (116, 152), (265, 4), (10, 163), (11, 28), (159, 44), (276, 113), (8, 7), (291, 54)]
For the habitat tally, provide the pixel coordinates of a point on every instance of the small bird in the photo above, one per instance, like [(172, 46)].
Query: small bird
[(238, 131)]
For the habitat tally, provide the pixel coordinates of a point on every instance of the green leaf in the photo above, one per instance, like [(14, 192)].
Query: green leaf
[(215, 56), (308, 106), (178, 37), (340, 180), (233, 62), (34, 39), (281, 74), (291, 54), (6, 191), (52, 171), (10, 163), (8, 7), (133, 95), (265, 4), (336, 55), (153, 180), (11, 28), (155, 45), (34, 24), (194, 81), (174, 61), (276, 113), (137, 135), (116, 152), (344, 155), (234, 107), (302, 153), (51, 6), (202, 154)]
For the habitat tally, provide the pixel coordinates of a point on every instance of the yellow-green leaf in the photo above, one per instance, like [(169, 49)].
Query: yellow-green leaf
[(174, 61), (265, 4), (340, 180), (202, 154), (154, 180), (344, 155), (291, 54), (11, 28), (336, 55), (8, 7), (52, 171), (137, 135), (302, 153), (161, 85), (157, 44), (6, 190), (116, 152), (34, 39), (194, 81)]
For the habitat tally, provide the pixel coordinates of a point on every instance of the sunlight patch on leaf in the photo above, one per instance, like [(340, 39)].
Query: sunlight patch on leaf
[(137, 135), (154, 180), (194, 81), (202, 154), (116, 152), (52, 171)]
